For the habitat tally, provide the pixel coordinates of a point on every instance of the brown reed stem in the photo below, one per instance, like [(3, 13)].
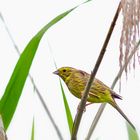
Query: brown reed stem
[(81, 106), (101, 109)]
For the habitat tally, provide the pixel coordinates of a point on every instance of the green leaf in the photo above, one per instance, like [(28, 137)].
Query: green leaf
[(67, 109), (132, 134), (9, 100), (33, 128), (66, 105)]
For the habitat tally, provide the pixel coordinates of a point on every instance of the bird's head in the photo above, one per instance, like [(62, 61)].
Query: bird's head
[(64, 72)]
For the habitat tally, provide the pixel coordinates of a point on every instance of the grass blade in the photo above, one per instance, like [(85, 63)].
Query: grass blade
[(67, 109), (66, 105), (9, 100), (33, 130), (34, 85), (132, 134)]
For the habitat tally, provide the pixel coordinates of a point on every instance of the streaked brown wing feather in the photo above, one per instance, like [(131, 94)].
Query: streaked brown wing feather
[(99, 87), (94, 95)]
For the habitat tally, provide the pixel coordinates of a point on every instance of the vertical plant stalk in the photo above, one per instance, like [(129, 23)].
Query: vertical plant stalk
[(101, 109), (47, 110), (91, 79), (9, 34), (33, 83), (33, 130)]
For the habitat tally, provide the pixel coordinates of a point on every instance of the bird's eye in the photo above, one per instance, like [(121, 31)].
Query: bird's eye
[(64, 70)]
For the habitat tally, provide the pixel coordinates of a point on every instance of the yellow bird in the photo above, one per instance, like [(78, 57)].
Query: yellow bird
[(76, 81)]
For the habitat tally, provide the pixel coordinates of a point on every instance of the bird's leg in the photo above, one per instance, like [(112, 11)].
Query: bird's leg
[(78, 108), (88, 104)]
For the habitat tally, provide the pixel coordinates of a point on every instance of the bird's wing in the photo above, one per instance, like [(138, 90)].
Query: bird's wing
[(93, 95), (99, 87), (102, 88)]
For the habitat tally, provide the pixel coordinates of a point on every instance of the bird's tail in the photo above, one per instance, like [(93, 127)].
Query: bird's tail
[(122, 113)]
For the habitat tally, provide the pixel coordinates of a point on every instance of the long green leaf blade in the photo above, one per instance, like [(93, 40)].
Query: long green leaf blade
[(33, 129), (9, 100), (67, 109), (66, 105), (132, 134)]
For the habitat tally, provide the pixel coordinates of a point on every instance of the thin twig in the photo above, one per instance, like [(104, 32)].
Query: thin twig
[(46, 108), (101, 109), (33, 83), (10, 36), (91, 79)]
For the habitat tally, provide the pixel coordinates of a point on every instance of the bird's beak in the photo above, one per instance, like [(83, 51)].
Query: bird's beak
[(56, 72)]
